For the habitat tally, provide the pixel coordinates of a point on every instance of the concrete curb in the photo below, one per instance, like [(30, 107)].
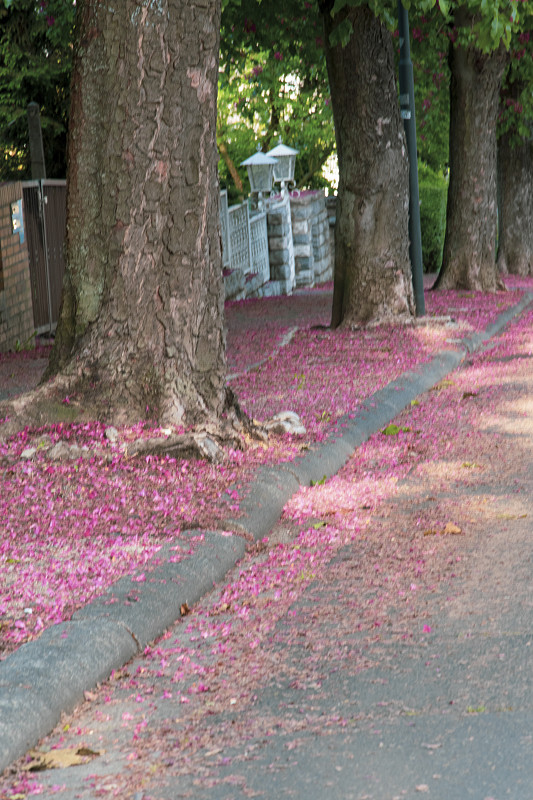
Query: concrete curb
[(48, 676)]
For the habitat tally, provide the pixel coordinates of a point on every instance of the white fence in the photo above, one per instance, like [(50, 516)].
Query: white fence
[(244, 240)]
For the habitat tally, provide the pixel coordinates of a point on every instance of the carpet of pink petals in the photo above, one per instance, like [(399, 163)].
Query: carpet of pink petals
[(70, 529)]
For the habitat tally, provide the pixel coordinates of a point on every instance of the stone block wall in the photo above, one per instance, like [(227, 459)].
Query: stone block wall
[(311, 236), (16, 309), (300, 248), (281, 248)]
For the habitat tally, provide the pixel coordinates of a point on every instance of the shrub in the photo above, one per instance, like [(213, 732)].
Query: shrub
[(433, 191)]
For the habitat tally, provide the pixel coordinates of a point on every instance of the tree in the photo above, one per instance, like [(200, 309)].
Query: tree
[(481, 33), (35, 65), (141, 326), (372, 269), (515, 162)]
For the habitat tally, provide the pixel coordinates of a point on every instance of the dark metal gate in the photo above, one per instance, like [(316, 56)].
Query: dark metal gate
[(45, 224)]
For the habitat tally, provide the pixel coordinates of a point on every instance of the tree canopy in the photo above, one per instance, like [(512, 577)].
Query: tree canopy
[(35, 66), (273, 82)]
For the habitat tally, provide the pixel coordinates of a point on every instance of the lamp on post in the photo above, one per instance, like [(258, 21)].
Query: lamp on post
[(285, 162), (260, 168)]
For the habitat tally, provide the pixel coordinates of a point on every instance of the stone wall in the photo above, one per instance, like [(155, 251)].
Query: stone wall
[(280, 248), (311, 235), (16, 310), (300, 247)]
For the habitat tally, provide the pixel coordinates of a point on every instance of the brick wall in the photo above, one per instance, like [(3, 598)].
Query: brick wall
[(16, 311)]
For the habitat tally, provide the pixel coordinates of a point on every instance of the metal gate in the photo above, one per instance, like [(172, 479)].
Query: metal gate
[(44, 205)]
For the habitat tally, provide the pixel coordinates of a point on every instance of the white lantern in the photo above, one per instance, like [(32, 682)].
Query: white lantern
[(260, 169), (285, 161)]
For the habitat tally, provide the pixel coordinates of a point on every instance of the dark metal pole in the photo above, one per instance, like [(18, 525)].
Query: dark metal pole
[(38, 169), (407, 106)]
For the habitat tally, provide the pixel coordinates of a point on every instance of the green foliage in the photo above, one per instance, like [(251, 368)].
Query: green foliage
[(490, 22), (429, 53), (433, 188), (516, 114), (273, 82), (35, 64)]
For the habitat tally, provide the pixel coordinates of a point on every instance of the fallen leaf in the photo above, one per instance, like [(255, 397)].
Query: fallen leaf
[(391, 430), (443, 385), (60, 758), (450, 528), (184, 609)]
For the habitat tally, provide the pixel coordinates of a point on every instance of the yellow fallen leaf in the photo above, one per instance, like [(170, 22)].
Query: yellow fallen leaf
[(450, 528), (443, 385), (59, 759)]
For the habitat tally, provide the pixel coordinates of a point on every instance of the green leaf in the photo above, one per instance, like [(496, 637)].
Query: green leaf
[(319, 525), (321, 482), (394, 430), (342, 33), (391, 430)]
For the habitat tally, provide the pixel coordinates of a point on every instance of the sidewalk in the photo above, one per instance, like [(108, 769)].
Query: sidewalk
[(111, 630)]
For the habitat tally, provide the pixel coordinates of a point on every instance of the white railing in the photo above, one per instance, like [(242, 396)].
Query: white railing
[(244, 238), (239, 238), (259, 245)]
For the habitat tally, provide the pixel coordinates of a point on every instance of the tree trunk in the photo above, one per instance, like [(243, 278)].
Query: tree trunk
[(141, 325), (372, 280), (232, 169), (469, 257), (515, 175)]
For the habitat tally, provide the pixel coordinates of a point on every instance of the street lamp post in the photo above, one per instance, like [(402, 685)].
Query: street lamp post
[(407, 106)]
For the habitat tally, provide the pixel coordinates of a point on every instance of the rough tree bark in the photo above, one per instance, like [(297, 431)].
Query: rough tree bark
[(372, 269), (469, 256), (515, 193), (141, 326)]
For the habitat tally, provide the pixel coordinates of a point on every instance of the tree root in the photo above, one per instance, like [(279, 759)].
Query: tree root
[(51, 404)]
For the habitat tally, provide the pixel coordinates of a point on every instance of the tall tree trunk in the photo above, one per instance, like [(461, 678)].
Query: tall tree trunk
[(372, 269), (515, 176), (469, 257), (141, 326)]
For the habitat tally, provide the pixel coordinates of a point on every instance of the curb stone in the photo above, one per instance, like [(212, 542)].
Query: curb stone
[(49, 675)]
